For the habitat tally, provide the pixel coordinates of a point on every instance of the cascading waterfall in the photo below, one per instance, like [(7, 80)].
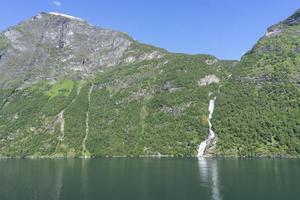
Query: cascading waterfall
[(211, 135)]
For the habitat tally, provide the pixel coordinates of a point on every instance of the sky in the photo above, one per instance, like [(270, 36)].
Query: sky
[(224, 28)]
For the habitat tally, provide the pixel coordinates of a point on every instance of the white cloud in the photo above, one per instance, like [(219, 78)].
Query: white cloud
[(57, 3)]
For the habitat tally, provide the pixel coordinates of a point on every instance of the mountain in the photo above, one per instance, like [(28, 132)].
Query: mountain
[(69, 89), (261, 101), (54, 46)]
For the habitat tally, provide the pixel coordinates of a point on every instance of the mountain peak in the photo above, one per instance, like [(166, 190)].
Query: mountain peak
[(56, 14), (55, 46), (65, 15)]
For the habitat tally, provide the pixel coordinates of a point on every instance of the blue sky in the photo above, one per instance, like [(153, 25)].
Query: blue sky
[(224, 28)]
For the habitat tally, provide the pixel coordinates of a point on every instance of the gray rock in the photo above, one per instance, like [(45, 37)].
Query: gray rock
[(53, 46), (272, 32), (208, 80), (211, 62)]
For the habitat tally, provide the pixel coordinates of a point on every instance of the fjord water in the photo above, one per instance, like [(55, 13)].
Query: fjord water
[(149, 178)]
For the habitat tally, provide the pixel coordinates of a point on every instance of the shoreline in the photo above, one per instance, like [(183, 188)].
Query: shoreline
[(150, 156)]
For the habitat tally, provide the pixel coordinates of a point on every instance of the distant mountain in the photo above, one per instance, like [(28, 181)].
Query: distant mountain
[(70, 89)]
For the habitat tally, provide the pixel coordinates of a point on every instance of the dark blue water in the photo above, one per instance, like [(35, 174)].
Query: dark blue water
[(153, 179)]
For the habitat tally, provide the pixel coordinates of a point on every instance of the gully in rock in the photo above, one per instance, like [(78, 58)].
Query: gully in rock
[(84, 150), (211, 135)]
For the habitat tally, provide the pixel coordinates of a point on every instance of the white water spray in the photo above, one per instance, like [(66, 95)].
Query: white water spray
[(211, 135)]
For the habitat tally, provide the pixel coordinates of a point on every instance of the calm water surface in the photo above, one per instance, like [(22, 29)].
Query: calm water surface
[(153, 179)]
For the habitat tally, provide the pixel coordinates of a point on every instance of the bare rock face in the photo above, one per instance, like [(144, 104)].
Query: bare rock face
[(54, 46), (208, 80), (272, 32), (211, 62)]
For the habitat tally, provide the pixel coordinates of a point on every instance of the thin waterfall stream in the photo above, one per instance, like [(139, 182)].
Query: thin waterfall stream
[(211, 135)]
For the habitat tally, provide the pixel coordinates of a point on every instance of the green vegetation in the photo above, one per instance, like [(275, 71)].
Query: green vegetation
[(127, 108), (157, 107), (255, 120), (127, 113), (257, 112), (63, 88)]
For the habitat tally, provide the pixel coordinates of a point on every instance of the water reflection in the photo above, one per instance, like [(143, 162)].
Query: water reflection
[(147, 179), (208, 171), (84, 177), (59, 180)]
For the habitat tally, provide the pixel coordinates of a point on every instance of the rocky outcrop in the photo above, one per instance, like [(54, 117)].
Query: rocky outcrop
[(211, 62), (272, 32), (176, 110), (208, 80)]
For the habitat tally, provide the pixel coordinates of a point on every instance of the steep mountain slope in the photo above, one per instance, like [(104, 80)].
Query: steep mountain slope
[(259, 109), (98, 92), (72, 90), (149, 108)]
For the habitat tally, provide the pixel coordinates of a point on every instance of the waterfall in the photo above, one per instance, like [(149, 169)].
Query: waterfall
[(211, 135)]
